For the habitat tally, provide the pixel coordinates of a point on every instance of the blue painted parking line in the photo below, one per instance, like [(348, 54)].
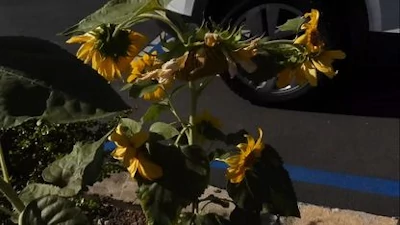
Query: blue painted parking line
[(390, 188), (385, 187)]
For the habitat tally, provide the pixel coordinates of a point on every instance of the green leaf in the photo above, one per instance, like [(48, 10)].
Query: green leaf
[(248, 193), (39, 80), (114, 12), (154, 111), (79, 168), (130, 126), (186, 169), (161, 205), (207, 130), (36, 190), (165, 130), (236, 138), (126, 87), (292, 24), (206, 219), (279, 195), (185, 177), (139, 89), (266, 186), (52, 210)]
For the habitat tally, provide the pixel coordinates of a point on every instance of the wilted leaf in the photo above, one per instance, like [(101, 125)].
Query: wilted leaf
[(39, 80), (79, 168), (292, 24), (52, 210), (114, 12), (164, 129)]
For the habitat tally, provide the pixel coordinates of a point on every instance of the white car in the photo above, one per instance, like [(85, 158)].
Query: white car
[(346, 24)]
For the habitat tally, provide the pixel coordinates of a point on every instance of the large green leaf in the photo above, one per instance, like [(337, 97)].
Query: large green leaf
[(79, 168), (266, 186), (115, 12), (165, 130), (40, 80), (36, 190), (200, 219), (154, 111), (52, 210), (186, 169), (161, 205), (279, 195)]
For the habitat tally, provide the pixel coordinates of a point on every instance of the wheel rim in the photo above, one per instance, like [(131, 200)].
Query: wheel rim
[(264, 19)]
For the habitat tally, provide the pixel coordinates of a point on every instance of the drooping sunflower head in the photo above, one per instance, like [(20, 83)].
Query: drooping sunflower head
[(248, 155), (131, 153), (150, 68), (109, 50), (311, 37)]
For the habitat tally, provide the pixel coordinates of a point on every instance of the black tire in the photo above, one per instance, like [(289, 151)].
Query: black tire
[(335, 26)]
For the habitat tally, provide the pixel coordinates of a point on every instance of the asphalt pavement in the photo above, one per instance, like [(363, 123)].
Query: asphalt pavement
[(331, 138)]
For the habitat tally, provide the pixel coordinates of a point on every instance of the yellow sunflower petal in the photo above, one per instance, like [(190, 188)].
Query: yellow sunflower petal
[(233, 161), (259, 146), (236, 176), (119, 139), (80, 39), (302, 39), (119, 152), (284, 78), (139, 139), (148, 169), (96, 60), (250, 144), (138, 64), (133, 167), (324, 66), (310, 73), (83, 52)]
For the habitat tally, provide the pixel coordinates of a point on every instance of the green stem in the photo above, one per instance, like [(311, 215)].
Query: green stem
[(11, 195), (193, 108), (6, 211), (183, 131), (4, 170), (164, 20)]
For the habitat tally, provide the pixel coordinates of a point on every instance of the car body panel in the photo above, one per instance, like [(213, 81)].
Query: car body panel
[(383, 15)]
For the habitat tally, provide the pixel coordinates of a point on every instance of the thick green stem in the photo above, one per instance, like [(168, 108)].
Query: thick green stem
[(11, 195), (193, 108), (4, 170)]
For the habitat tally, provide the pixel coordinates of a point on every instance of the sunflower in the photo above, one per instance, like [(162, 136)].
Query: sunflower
[(308, 70), (311, 37), (240, 163), (108, 50), (129, 150), (150, 68)]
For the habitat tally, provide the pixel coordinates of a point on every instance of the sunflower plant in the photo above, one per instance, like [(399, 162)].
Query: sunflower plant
[(170, 160)]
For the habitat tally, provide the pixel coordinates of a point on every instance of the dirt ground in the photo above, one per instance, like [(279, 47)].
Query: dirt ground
[(121, 187)]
